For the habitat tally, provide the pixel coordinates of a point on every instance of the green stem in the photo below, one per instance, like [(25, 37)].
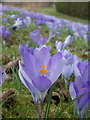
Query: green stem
[(66, 84), (36, 105), (42, 109)]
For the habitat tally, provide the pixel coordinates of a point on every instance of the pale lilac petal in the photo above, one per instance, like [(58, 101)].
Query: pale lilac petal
[(72, 91), (35, 93), (55, 67), (42, 83), (43, 56), (67, 71)]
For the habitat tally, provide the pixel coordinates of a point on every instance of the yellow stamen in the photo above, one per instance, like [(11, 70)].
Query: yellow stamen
[(44, 67), (43, 71), (36, 54)]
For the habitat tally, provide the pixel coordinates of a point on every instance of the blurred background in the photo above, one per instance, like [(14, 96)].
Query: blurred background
[(75, 9)]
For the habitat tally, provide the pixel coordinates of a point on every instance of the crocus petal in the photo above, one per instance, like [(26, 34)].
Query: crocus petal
[(35, 93), (42, 83), (55, 66), (23, 49), (23, 72), (2, 76), (72, 91), (76, 70), (79, 83), (58, 45), (43, 55), (31, 65), (84, 99), (67, 41), (67, 71)]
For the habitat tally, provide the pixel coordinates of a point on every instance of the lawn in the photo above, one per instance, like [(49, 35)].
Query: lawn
[(18, 103)]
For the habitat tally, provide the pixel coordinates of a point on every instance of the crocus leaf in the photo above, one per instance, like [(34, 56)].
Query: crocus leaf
[(48, 104), (57, 114)]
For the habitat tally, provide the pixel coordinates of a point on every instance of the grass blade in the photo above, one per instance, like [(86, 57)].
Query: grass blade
[(57, 114), (48, 104)]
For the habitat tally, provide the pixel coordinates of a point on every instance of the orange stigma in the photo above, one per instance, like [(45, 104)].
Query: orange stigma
[(43, 71)]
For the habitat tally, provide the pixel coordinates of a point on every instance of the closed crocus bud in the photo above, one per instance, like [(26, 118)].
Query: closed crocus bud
[(87, 37), (27, 21), (58, 45), (2, 76), (67, 71), (6, 34), (34, 34), (18, 22), (2, 30), (67, 41), (13, 16)]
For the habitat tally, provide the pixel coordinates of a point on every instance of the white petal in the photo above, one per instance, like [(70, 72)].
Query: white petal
[(72, 91)]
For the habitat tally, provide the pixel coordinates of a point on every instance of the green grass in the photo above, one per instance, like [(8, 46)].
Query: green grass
[(52, 11), (23, 107)]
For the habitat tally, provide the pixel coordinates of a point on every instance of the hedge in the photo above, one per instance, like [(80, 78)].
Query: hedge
[(76, 9)]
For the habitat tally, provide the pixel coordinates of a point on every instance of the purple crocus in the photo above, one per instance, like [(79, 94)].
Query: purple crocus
[(81, 86), (87, 37), (61, 46), (39, 70), (70, 62), (54, 26), (4, 33), (2, 76), (21, 22), (67, 41), (35, 35)]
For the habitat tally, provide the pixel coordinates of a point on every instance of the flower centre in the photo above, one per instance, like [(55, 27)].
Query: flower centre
[(43, 71), (36, 54)]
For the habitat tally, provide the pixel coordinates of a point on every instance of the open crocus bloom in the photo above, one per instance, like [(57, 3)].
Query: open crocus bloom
[(2, 76), (39, 70), (81, 86)]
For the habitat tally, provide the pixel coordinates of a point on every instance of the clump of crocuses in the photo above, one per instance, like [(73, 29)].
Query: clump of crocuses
[(81, 86), (39, 71)]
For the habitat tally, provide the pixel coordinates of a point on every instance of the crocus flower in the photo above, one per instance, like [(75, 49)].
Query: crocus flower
[(27, 21), (70, 62), (39, 70), (61, 46), (12, 16), (2, 76), (54, 26), (67, 71), (35, 35), (87, 37), (81, 86), (4, 33), (20, 22), (67, 41)]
